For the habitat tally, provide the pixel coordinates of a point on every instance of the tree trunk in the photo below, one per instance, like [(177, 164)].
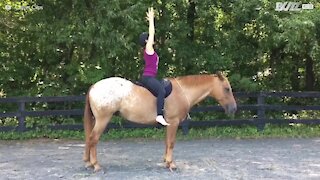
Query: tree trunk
[(310, 80), (294, 78), (191, 16)]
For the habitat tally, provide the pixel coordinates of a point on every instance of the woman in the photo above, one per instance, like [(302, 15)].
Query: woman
[(150, 71)]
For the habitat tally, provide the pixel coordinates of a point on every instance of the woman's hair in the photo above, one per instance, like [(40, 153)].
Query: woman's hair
[(142, 39)]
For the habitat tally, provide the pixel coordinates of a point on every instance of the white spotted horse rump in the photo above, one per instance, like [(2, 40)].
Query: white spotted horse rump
[(109, 91)]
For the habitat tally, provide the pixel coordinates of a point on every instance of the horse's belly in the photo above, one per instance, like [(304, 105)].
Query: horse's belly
[(139, 107), (139, 115)]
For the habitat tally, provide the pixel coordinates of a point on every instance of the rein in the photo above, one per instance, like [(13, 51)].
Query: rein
[(184, 94)]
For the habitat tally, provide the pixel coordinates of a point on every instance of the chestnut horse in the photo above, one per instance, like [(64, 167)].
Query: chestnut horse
[(137, 104)]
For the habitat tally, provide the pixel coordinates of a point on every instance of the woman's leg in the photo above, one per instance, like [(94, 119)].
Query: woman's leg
[(155, 86)]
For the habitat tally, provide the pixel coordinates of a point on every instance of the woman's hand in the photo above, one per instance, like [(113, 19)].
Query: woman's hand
[(150, 14)]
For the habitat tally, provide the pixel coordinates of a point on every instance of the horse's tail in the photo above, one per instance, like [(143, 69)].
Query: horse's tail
[(88, 119)]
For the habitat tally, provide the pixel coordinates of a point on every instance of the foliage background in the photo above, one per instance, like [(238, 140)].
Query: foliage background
[(68, 45), (65, 46)]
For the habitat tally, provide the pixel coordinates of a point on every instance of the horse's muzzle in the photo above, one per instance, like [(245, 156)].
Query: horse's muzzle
[(231, 108)]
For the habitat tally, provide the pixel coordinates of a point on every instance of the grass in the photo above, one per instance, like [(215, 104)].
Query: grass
[(242, 132)]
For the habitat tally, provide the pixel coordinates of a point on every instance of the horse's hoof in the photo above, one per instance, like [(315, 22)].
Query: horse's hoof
[(171, 166), (97, 168), (88, 165)]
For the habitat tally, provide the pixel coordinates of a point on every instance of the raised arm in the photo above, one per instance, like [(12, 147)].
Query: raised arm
[(150, 42)]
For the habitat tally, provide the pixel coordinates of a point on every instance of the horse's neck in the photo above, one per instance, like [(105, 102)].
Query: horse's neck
[(197, 91)]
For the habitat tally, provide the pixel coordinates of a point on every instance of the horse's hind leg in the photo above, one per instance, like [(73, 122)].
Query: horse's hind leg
[(86, 156), (170, 141), (98, 129)]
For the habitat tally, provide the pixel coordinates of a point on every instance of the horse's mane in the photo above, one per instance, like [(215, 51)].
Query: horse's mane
[(195, 80)]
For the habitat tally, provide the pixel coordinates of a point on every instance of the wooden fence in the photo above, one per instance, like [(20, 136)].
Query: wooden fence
[(259, 106)]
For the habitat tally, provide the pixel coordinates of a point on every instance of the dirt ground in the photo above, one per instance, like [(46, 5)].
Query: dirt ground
[(142, 159)]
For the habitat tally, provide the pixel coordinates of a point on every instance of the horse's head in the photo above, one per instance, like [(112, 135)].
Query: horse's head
[(222, 92)]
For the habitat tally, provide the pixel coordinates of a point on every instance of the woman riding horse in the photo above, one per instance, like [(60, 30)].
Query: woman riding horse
[(136, 104), (150, 71)]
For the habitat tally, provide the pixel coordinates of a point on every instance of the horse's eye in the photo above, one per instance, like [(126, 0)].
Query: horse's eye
[(227, 89)]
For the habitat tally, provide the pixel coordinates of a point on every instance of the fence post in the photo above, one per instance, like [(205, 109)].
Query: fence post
[(22, 117), (185, 125), (261, 111)]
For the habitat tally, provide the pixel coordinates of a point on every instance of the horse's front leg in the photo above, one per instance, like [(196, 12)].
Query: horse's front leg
[(170, 141)]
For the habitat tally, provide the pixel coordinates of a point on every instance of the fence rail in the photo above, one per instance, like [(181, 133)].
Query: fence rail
[(260, 107)]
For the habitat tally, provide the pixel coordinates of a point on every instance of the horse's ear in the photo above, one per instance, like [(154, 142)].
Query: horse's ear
[(220, 75)]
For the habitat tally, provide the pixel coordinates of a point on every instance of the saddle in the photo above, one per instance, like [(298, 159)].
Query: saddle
[(164, 82)]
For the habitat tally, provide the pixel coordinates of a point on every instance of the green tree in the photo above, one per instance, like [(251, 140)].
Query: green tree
[(68, 45)]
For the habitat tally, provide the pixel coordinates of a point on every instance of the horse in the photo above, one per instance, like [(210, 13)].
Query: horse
[(137, 104)]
